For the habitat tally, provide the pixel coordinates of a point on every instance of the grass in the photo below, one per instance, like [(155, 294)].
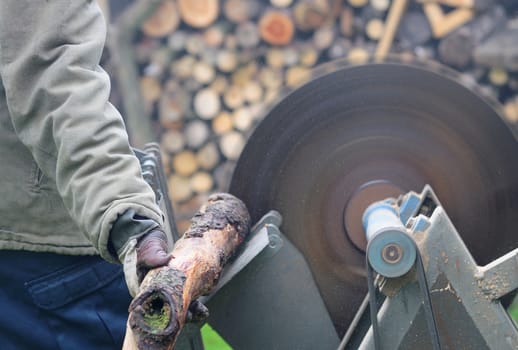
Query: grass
[(212, 340)]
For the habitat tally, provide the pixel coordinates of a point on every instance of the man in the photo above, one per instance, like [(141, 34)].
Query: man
[(71, 193)]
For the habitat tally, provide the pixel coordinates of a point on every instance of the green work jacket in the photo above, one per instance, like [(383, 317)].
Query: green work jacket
[(66, 168)]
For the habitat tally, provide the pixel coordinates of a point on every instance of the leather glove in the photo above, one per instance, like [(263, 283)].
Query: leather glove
[(142, 254), (151, 252)]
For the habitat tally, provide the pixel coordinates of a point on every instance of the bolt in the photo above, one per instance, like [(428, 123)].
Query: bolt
[(392, 253)]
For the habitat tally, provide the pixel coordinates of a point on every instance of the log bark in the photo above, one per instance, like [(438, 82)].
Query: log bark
[(159, 311)]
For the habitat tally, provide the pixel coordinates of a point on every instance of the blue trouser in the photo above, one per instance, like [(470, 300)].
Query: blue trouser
[(51, 301)]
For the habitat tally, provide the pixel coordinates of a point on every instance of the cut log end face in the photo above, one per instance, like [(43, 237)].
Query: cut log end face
[(222, 209), (153, 314), (276, 28)]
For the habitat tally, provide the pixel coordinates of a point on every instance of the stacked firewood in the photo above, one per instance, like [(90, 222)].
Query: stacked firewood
[(209, 69)]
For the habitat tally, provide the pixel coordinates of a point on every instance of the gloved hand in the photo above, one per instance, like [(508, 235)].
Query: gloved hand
[(142, 254), (151, 252)]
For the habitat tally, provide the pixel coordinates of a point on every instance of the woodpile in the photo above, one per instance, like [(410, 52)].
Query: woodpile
[(209, 68)]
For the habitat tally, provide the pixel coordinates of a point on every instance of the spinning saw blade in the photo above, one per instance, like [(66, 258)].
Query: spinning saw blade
[(365, 133)]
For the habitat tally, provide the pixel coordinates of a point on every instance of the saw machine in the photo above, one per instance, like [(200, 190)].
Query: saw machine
[(343, 161)]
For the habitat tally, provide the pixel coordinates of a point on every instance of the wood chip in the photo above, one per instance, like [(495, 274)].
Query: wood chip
[(231, 144), (222, 123), (443, 24), (163, 21), (276, 28), (184, 163), (199, 13), (207, 103)]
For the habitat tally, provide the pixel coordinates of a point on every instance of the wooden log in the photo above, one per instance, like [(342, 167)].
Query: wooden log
[(230, 42), (215, 35), (271, 95), (203, 72), (231, 144), (511, 109), (233, 97), (198, 13), (323, 37), (380, 5), (498, 76), (247, 35), (208, 156), (347, 22), (222, 123), (358, 55), (173, 105), (184, 163), (281, 3), (150, 89), (196, 134), (291, 56), (242, 119), (311, 14), (396, 11), (441, 23), (308, 56), (219, 84), (275, 58), (226, 60), (276, 28), (179, 188), (375, 29), (172, 141), (207, 103), (244, 74), (358, 3), (163, 21), (252, 91), (201, 182), (195, 44), (176, 41), (182, 68), (340, 48), (271, 78), (159, 311), (239, 11), (297, 75)]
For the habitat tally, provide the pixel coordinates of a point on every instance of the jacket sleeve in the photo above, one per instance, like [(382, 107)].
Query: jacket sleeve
[(57, 96)]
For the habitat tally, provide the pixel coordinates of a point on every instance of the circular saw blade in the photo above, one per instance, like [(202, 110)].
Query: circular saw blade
[(364, 133)]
